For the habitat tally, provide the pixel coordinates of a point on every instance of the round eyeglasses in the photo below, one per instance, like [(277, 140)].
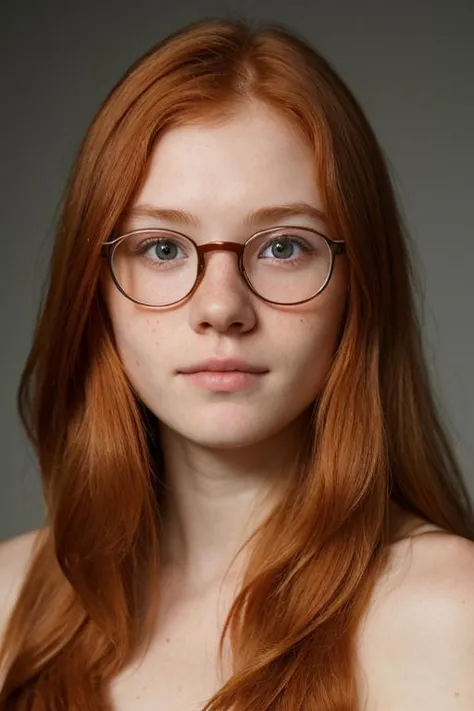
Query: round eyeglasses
[(281, 265)]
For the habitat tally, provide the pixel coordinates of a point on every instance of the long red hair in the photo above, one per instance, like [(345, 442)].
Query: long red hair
[(92, 589)]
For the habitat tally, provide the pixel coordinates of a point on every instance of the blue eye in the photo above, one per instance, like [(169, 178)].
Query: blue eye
[(160, 250), (283, 249), (166, 249)]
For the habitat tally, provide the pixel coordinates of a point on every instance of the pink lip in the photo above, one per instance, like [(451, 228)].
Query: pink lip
[(217, 365), (230, 375), (224, 381)]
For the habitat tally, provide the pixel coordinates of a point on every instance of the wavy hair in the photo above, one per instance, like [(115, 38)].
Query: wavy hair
[(92, 589)]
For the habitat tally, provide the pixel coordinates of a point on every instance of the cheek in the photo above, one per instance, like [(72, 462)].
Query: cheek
[(317, 340), (136, 334), (142, 357), (312, 337)]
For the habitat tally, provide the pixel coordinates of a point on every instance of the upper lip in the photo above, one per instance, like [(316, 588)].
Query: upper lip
[(217, 364)]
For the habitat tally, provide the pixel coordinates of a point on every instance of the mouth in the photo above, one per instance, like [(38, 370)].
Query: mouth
[(230, 381), (215, 365), (229, 376)]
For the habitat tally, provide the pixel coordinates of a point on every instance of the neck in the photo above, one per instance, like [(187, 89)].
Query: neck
[(215, 498)]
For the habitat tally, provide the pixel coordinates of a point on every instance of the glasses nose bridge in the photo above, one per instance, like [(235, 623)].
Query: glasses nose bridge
[(234, 247)]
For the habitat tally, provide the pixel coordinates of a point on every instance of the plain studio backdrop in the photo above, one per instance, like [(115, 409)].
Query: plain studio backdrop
[(409, 63)]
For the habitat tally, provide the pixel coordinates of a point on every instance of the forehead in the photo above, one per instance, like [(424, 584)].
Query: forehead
[(253, 158)]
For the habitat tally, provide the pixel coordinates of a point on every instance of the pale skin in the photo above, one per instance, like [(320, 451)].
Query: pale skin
[(222, 449), (225, 455)]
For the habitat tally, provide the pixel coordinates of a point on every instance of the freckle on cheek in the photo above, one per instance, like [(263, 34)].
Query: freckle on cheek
[(152, 324)]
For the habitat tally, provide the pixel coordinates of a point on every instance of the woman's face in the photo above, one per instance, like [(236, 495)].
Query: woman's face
[(221, 174)]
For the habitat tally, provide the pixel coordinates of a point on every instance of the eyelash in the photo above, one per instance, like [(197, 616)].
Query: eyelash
[(143, 247)]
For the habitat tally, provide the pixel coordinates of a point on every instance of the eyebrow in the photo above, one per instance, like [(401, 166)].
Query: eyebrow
[(270, 212)]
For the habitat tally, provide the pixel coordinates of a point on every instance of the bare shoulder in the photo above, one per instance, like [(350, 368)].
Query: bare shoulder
[(416, 647), (15, 555)]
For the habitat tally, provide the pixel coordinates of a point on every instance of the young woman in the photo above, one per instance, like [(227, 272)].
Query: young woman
[(251, 501)]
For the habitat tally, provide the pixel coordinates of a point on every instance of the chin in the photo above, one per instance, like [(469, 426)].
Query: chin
[(223, 437), (227, 431), (225, 444)]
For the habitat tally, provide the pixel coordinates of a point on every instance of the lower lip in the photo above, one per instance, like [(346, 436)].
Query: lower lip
[(229, 381)]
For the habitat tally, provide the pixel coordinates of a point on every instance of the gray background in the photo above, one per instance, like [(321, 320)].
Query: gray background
[(409, 63)]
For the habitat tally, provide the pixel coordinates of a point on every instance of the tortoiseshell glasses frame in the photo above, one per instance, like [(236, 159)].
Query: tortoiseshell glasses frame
[(335, 247)]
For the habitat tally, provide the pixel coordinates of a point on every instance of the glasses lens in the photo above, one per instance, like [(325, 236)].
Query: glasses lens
[(288, 265), (155, 267)]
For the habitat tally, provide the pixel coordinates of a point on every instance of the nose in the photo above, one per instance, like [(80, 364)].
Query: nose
[(223, 300)]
